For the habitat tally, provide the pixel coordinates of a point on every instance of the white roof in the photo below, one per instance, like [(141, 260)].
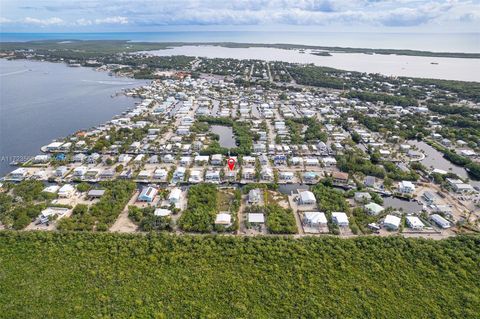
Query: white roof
[(439, 171), (407, 184), (256, 218), (316, 217), (51, 189), (223, 218), (463, 186), (41, 157), (212, 173), (54, 144), (175, 193), (248, 170), (162, 212), (307, 196), (49, 211), (195, 173), (414, 221), (440, 220), (329, 160), (201, 158), (392, 220), (160, 171), (374, 207), (340, 217), (66, 188), (144, 173), (96, 192), (181, 169), (287, 173)]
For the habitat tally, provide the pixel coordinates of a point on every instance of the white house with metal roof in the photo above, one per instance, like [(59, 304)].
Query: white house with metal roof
[(340, 218), (306, 198), (315, 219)]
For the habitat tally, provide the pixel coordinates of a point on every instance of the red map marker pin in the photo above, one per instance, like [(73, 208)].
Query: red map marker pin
[(231, 163)]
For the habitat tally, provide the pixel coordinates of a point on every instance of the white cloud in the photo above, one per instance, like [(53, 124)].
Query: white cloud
[(43, 22), (108, 20), (112, 20), (144, 13), (5, 20), (83, 22)]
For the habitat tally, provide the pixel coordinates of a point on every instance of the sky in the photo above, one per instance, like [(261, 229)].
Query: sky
[(441, 16)]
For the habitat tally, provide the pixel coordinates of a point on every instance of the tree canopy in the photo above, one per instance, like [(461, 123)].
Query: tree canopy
[(102, 275)]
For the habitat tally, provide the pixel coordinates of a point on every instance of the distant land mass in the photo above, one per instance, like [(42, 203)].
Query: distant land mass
[(113, 46)]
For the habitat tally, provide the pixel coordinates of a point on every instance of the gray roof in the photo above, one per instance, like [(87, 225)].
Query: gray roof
[(96, 192)]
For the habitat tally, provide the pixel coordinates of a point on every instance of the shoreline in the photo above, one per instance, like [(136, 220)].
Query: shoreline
[(163, 45), (120, 91)]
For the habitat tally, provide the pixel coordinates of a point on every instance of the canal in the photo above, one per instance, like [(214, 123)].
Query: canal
[(406, 206), (435, 159)]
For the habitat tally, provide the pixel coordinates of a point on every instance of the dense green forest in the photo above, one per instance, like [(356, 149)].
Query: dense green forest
[(382, 97), (101, 275), (280, 220), (147, 221), (201, 209), (316, 76)]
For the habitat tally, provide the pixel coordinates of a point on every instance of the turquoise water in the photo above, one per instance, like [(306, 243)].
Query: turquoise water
[(450, 42)]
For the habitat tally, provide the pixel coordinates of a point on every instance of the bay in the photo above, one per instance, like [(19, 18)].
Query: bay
[(42, 101), (390, 65)]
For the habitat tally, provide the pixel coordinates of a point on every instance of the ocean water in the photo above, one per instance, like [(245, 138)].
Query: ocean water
[(41, 101), (448, 42)]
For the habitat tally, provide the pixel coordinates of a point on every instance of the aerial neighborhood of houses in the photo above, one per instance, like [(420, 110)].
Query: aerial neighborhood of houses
[(297, 149)]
